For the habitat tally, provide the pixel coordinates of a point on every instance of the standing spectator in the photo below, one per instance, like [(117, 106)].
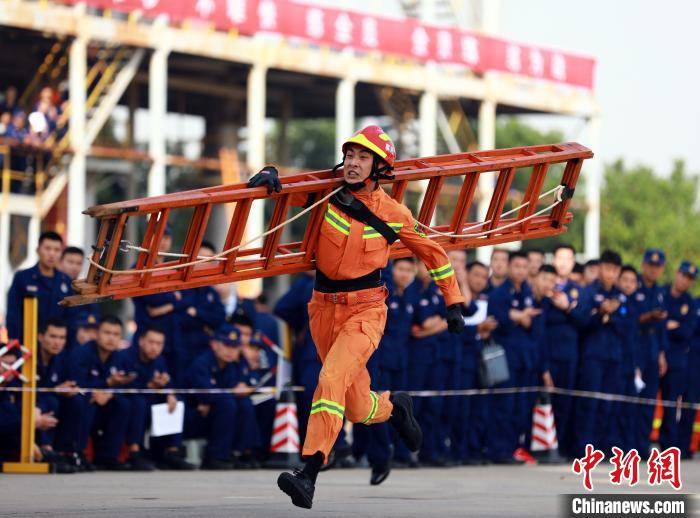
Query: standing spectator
[(601, 354), (591, 272), (692, 393), (653, 341), (202, 314), (44, 281), (470, 428), (565, 320), (680, 327), (499, 268), (72, 259), (9, 103), (623, 413), (513, 306), (535, 259)]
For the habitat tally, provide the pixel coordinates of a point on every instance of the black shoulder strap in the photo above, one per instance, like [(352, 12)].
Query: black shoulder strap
[(359, 211)]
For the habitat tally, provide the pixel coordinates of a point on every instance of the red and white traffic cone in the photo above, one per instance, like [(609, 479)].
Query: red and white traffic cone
[(544, 445), (284, 446)]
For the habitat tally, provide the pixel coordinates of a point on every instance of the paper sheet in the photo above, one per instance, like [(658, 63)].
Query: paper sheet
[(480, 315), (165, 423)]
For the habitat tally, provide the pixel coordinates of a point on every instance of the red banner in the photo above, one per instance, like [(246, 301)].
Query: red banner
[(367, 33)]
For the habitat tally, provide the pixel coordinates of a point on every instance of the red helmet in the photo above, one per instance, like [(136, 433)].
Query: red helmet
[(373, 138)]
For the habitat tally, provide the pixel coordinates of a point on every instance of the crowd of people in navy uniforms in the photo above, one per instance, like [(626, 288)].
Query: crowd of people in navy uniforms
[(604, 327)]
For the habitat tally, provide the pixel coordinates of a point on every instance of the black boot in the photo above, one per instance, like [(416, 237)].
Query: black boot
[(299, 487), (379, 474), (403, 420)]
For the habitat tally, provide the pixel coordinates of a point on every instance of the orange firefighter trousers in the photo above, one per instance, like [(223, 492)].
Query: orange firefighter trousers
[(346, 335)]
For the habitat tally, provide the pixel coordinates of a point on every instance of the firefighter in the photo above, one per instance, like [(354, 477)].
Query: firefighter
[(347, 312), (680, 327), (650, 308)]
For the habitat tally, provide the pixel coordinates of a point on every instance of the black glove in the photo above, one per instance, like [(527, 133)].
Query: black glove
[(455, 321), (269, 177)]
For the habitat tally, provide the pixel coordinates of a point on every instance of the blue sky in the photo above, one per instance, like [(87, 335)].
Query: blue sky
[(648, 78)]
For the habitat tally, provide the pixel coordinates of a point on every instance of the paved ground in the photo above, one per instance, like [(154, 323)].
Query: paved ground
[(482, 491)]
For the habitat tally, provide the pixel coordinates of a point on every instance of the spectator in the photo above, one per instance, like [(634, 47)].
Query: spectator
[(151, 370), (499, 268), (591, 272), (535, 260), (45, 282), (52, 371), (100, 365), (219, 416)]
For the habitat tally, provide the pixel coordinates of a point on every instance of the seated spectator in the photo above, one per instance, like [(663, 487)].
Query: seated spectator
[(213, 415), (100, 365), (51, 370), (147, 361), (86, 330), (11, 412), (262, 363)]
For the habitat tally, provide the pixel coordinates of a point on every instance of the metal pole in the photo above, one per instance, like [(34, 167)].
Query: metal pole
[(26, 462)]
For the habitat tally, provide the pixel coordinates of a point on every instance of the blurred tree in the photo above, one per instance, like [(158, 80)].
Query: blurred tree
[(640, 210), (310, 144)]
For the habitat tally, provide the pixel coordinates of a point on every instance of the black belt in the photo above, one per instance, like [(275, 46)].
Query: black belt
[(327, 285)]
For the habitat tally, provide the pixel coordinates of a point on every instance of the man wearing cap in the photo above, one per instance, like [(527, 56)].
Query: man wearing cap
[(653, 340), (692, 392), (680, 327), (217, 415), (347, 310)]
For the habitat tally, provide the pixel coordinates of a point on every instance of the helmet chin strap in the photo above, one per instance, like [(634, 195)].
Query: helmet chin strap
[(376, 174)]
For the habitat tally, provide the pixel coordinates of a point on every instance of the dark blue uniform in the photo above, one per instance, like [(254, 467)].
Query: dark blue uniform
[(292, 308), (692, 393), (140, 416), (511, 413), (87, 369), (682, 310), (388, 370), (622, 433), (197, 330), (49, 292), (264, 410), (561, 341), (230, 420), (653, 339), (424, 371), (10, 421), (176, 348), (469, 427), (50, 375), (601, 357)]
